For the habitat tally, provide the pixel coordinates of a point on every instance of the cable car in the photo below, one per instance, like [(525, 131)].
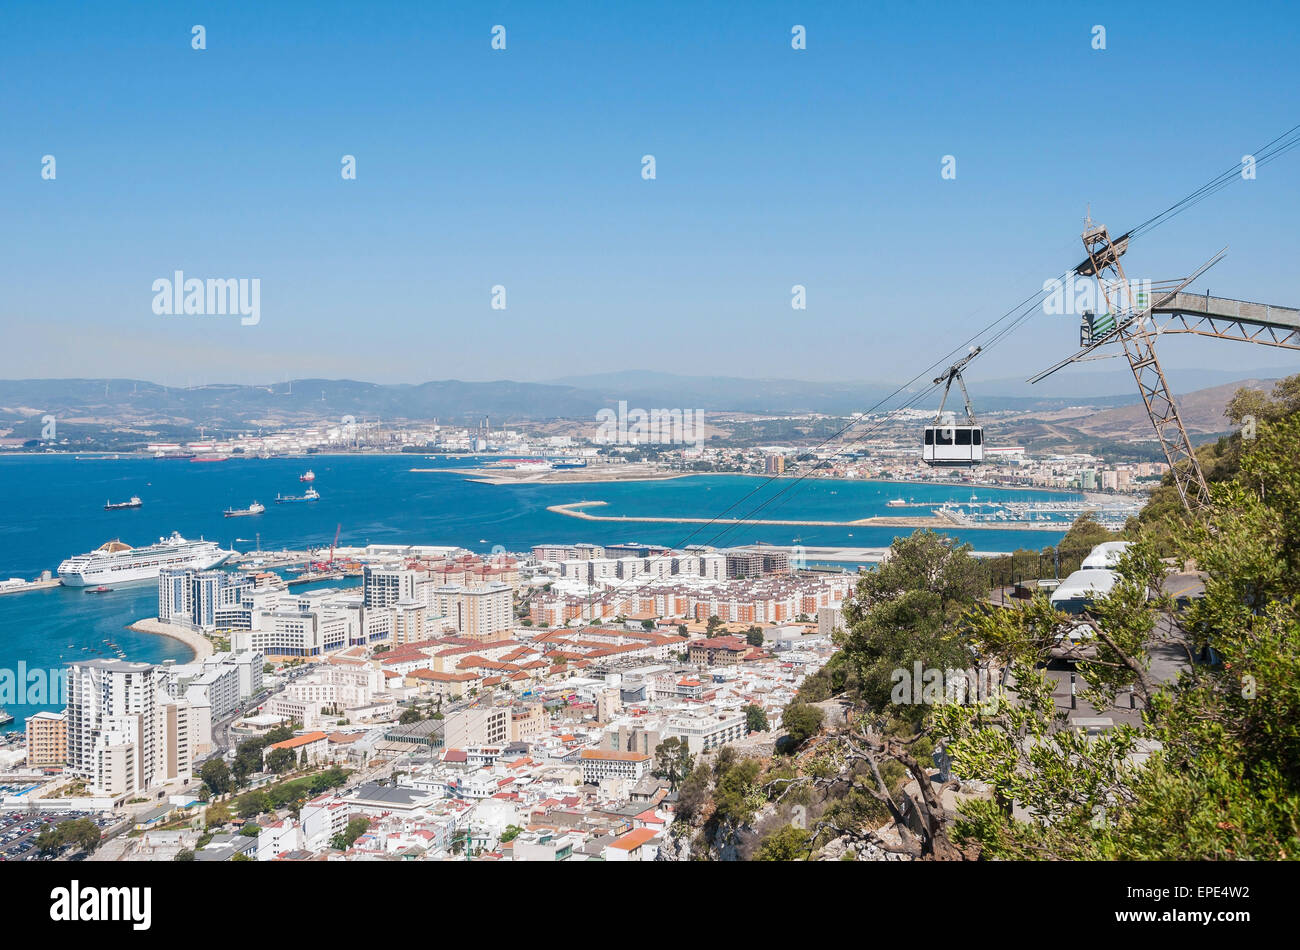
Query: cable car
[(947, 442)]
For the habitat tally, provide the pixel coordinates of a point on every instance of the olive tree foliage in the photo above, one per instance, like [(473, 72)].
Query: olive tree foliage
[(907, 609), (1212, 771)]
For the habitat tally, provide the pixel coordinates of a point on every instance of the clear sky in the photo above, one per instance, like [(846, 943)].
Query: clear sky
[(522, 167)]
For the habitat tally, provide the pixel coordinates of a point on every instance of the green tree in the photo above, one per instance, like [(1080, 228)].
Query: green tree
[(755, 719), (280, 733), (908, 610), (754, 636), (215, 775), (409, 715), (356, 827), (787, 843), (251, 804), (216, 815), (281, 760), (673, 760), (712, 625), (1218, 777), (800, 723)]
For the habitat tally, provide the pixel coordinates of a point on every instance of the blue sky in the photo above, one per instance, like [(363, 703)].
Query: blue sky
[(522, 168)]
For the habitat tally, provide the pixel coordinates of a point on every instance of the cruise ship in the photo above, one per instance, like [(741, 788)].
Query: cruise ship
[(120, 563)]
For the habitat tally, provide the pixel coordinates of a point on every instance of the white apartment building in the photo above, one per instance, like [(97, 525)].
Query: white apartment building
[(599, 764), (479, 613), (385, 587), (704, 730), (125, 733)]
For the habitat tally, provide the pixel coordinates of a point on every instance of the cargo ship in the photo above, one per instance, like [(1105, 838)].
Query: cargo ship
[(120, 563), (135, 502), (256, 508), (307, 476), (310, 494)]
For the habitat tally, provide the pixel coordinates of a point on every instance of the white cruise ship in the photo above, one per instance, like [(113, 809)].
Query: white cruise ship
[(119, 563)]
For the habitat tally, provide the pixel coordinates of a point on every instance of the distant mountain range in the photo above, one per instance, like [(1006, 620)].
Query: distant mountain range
[(137, 402)]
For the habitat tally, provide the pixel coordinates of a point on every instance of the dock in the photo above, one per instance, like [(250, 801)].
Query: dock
[(30, 585)]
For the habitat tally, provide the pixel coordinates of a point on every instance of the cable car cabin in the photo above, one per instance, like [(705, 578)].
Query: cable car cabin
[(953, 445)]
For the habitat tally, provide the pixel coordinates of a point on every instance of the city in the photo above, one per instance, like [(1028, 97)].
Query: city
[(468, 714), (756, 442)]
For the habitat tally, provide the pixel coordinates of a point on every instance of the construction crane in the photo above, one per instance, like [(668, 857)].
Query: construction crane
[(1135, 321), (329, 564)]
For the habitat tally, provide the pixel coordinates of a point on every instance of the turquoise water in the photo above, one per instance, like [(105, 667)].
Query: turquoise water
[(53, 508)]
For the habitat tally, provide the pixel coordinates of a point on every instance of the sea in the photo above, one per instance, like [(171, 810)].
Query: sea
[(54, 508)]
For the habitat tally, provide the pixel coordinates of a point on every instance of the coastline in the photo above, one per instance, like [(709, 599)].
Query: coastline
[(936, 522), (200, 644), (571, 477)]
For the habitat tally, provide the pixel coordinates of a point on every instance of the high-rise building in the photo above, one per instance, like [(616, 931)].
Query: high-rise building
[(199, 598), (111, 715), (479, 613), (386, 587), (125, 734)]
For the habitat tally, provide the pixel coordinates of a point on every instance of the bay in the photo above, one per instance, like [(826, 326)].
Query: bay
[(53, 508)]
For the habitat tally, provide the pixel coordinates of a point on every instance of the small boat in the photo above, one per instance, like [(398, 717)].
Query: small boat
[(98, 590), (5, 717), (307, 476), (256, 508), (310, 494), (135, 502), (482, 541)]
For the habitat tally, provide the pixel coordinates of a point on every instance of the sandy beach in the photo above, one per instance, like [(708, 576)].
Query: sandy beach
[(200, 644)]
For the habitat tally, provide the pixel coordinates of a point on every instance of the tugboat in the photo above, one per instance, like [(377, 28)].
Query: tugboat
[(310, 494), (256, 508), (135, 502), (307, 476)]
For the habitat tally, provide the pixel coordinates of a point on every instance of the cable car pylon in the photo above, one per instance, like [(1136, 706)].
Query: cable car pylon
[(1136, 320)]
